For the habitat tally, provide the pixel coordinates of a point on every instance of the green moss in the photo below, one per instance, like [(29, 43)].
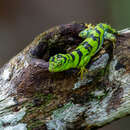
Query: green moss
[(35, 124), (42, 97), (35, 113), (102, 72)]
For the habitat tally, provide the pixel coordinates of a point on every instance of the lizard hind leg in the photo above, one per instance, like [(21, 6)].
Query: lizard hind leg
[(89, 26), (85, 33), (111, 37)]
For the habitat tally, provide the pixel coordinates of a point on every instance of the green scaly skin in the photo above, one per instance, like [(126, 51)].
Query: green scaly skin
[(79, 58)]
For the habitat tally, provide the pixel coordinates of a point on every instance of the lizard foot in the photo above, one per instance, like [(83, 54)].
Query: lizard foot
[(89, 26), (114, 46), (82, 71)]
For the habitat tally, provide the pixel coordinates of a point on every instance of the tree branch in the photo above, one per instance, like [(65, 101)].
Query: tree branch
[(62, 100)]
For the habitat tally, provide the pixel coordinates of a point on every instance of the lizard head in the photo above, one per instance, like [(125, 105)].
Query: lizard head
[(57, 63)]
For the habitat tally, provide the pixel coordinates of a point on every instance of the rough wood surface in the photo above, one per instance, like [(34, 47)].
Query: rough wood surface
[(62, 100)]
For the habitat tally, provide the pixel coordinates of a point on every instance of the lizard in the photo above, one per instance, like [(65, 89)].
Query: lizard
[(94, 38)]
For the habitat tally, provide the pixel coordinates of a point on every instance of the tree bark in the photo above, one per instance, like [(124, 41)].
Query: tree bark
[(62, 100)]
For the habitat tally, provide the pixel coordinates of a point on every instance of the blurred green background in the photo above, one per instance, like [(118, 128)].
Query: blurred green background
[(22, 20)]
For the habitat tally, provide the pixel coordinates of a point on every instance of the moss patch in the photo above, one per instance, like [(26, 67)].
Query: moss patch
[(37, 111)]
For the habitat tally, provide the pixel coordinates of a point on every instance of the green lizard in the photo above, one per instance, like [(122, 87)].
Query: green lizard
[(79, 58)]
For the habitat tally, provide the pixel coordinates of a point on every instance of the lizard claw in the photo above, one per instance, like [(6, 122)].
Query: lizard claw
[(82, 71), (89, 26), (113, 42)]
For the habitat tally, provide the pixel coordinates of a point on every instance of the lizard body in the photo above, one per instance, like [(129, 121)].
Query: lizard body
[(79, 58)]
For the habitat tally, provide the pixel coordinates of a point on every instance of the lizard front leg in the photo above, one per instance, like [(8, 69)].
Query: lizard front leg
[(83, 68)]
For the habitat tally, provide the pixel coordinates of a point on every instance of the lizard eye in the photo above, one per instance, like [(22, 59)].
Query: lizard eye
[(59, 63)]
